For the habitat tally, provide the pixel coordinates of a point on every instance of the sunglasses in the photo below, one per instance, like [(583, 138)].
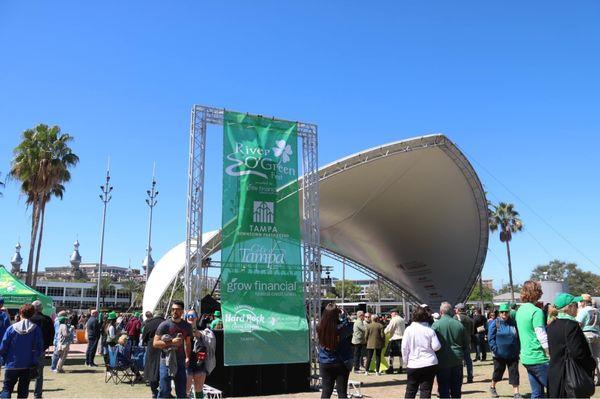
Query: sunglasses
[(190, 316)]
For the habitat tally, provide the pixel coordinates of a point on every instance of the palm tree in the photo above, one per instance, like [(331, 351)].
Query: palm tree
[(57, 191), (41, 163), (1, 185), (503, 217)]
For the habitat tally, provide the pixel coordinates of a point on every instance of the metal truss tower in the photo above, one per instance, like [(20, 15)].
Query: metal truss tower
[(201, 116)]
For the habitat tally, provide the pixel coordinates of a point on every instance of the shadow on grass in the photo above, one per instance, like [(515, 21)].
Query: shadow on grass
[(383, 383), (82, 371)]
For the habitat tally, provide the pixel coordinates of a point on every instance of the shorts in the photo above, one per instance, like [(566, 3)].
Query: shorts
[(196, 369), (500, 365), (394, 348)]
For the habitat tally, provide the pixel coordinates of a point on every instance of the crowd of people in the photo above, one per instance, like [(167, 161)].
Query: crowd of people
[(558, 345), (178, 349)]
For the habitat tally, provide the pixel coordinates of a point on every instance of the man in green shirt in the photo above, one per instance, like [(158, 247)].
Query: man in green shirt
[(217, 323), (532, 336), (451, 335)]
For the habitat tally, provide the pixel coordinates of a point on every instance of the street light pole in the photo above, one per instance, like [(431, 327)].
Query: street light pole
[(105, 197), (151, 202)]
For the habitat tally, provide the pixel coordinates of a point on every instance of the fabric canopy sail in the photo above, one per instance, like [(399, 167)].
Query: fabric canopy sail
[(17, 293)]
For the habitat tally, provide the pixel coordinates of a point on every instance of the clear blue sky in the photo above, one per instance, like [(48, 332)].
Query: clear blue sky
[(514, 84)]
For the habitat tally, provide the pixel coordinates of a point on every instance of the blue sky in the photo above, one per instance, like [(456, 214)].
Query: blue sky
[(514, 84)]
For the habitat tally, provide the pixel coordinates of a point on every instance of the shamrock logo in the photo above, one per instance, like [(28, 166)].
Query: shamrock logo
[(282, 150)]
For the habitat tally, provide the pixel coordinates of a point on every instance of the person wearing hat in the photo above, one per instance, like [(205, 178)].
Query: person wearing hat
[(469, 332), (216, 321), (565, 338), (504, 343), (134, 329), (395, 329), (65, 339), (109, 332), (589, 321)]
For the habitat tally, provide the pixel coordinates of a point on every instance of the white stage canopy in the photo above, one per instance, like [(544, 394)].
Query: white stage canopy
[(413, 211)]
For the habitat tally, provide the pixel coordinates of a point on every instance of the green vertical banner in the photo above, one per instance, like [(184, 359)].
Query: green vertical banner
[(262, 295)]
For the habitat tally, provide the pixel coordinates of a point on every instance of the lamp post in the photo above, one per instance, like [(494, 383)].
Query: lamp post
[(105, 197), (151, 201)]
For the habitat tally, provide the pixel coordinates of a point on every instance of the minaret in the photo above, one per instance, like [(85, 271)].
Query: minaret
[(75, 257), (16, 260)]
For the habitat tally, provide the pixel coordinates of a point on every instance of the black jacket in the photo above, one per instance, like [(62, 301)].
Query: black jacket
[(566, 334), (151, 367), (45, 323)]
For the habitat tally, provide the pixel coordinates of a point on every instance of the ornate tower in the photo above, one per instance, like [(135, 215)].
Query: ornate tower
[(75, 258), (16, 260)]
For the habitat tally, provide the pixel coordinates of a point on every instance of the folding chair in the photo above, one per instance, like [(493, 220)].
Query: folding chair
[(119, 373)]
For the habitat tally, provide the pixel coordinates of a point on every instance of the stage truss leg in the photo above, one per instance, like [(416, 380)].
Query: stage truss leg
[(307, 132)]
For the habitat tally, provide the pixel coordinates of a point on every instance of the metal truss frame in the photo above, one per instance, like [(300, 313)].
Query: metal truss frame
[(375, 276), (308, 133)]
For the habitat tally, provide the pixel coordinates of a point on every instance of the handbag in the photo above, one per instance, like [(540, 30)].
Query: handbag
[(578, 383)]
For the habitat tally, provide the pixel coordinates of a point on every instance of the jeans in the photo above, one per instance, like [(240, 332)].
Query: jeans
[(377, 359), (469, 364), (55, 357), (480, 349), (449, 381), (419, 378), (359, 351), (538, 379), (90, 352), (11, 376), (334, 373), (165, 382), (39, 382)]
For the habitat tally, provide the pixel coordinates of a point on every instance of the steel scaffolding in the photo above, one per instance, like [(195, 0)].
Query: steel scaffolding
[(307, 132)]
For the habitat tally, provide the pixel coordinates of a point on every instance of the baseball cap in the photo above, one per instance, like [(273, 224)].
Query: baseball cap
[(459, 306), (504, 307), (563, 300)]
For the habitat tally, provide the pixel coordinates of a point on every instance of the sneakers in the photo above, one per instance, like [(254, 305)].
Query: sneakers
[(517, 396), (470, 380), (366, 373), (357, 372), (389, 371), (378, 373), (494, 393)]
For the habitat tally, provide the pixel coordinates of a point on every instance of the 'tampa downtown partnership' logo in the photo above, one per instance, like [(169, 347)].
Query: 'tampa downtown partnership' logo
[(246, 159)]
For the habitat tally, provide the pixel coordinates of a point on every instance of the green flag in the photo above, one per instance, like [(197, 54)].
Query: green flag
[(262, 295)]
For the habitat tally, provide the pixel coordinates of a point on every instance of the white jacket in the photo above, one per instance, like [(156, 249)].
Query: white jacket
[(419, 346), (396, 327)]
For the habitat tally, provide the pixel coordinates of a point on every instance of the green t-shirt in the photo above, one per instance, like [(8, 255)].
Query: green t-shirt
[(528, 318)]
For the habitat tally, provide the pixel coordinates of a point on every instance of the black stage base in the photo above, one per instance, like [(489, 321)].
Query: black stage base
[(257, 380)]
